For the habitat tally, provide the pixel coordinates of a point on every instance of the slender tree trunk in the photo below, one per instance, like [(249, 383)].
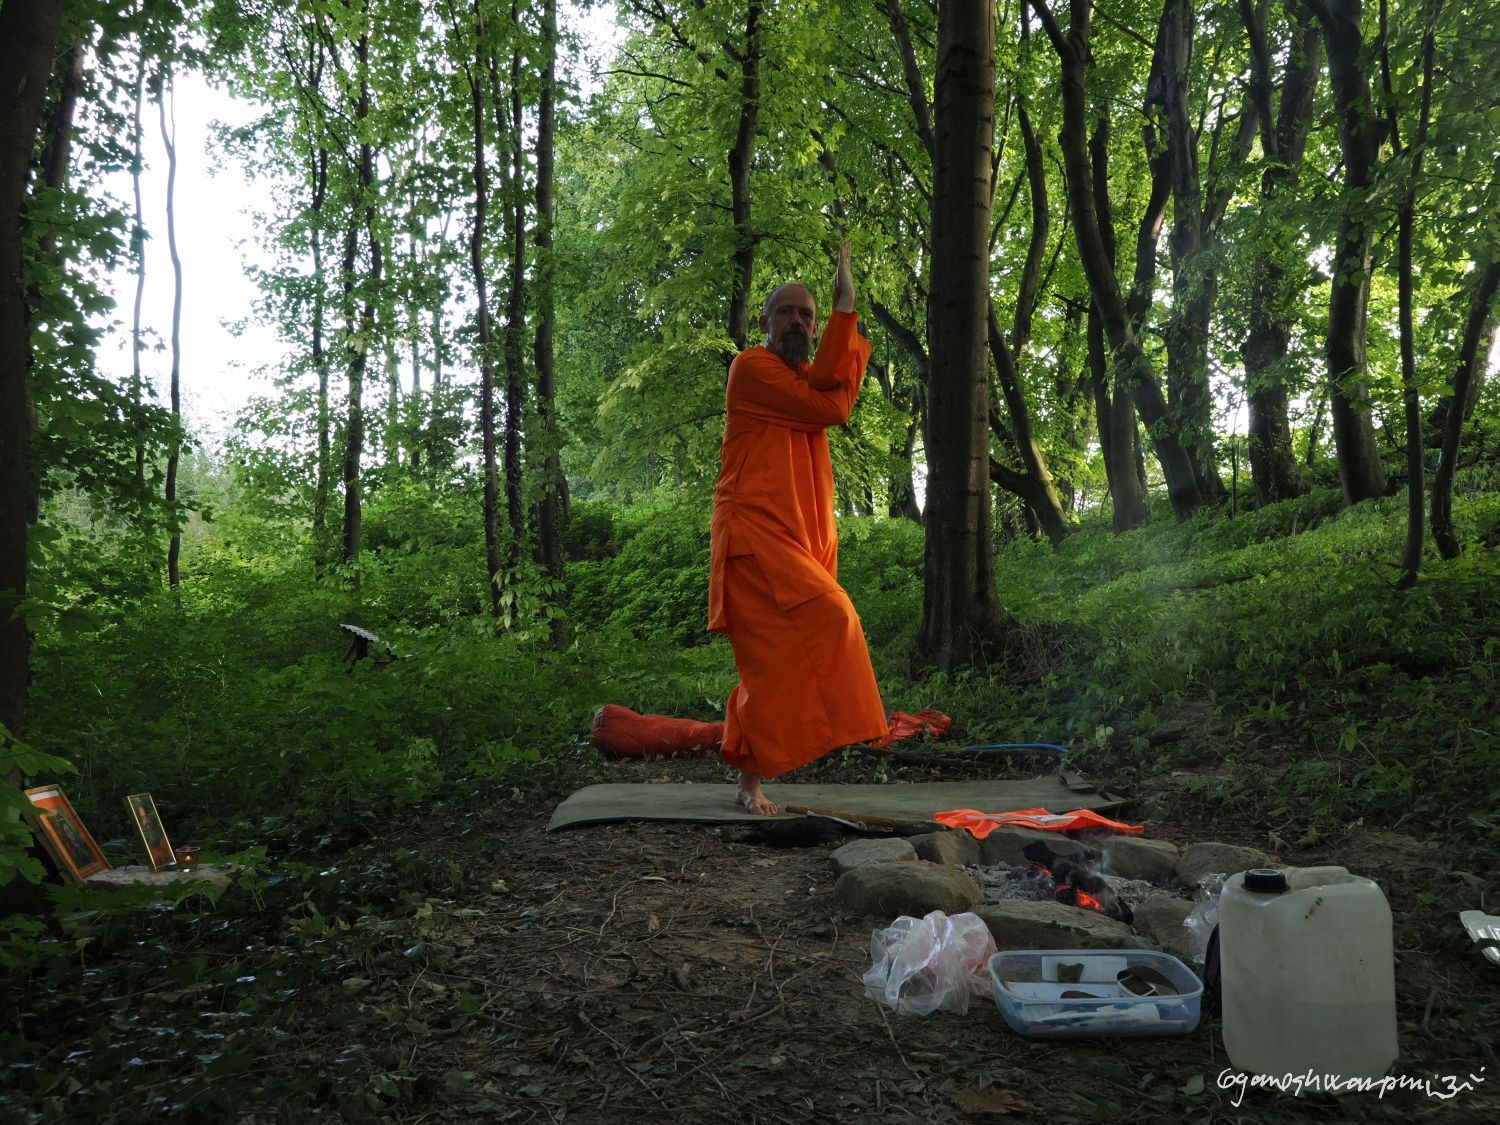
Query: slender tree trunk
[(1035, 481), (904, 496), (1038, 490), (138, 260), (483, 53), (515, 324), (28, 34), (916, 83), (392, 402), (1116, 413), (1142, 293), (57, 134), (1130, 362), (1315, 428), (174, 451), (1360, 471), (903, 503), (1273, 465), (354, 428), (320, 364), (962, 618), (1194, 283), (1468, 371), (554, 486), (417, 249), (1411, 556), (741, 157)]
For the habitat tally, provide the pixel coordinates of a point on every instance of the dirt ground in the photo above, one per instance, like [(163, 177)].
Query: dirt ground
[(671, 972)]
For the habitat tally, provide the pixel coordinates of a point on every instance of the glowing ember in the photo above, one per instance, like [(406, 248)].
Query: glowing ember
[(1066, 886), (1089, 902)]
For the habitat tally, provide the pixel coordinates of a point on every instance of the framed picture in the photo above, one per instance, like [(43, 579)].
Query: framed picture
[(63, 834), (147, 822)]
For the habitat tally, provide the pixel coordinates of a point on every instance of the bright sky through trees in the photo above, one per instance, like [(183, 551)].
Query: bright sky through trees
[(228, 354)]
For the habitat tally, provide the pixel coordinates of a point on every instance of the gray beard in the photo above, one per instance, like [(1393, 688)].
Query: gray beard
[(791, 348)]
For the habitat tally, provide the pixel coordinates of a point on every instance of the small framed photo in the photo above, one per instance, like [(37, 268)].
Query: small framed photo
[(147, 822), (63, 834)]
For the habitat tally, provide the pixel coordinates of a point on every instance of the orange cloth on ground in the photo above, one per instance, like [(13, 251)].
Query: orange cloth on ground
[(623, 733), (619, 732), (982, 824), (806, 685), (930, 723)]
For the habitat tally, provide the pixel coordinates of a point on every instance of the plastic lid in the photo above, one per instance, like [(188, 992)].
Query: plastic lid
[(1266, 880)]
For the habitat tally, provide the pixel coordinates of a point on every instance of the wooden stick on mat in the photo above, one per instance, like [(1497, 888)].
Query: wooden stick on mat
[(861, 818)]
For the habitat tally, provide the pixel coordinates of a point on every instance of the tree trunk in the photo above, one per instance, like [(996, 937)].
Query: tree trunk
[(1411, 555), (392, 400), (904, 497), (1130, 363), (1037, 489), (911, 71), (174, 451), (138, 260), (741, 157), (1273, 465), (1360, 471), (1035, 481), (962, 618), (320, 364), (1142, 293), (1481, 301), (28, 33), (483, 55), (554, 486), (1117, 429), (515, 324), (903, 503), (354, 428), (1194, 282), (58, 133)]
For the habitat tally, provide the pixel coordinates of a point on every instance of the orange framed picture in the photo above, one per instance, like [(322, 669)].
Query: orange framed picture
[(147, 822), (63, 835)]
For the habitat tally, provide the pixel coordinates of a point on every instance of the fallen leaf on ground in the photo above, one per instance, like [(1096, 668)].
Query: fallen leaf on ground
[(995, 1100)]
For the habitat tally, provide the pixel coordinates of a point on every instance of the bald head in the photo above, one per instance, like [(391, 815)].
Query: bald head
[(789, 318)]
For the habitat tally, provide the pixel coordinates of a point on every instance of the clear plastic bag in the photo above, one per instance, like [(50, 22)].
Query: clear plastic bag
[(930, 964), (1204, 917)]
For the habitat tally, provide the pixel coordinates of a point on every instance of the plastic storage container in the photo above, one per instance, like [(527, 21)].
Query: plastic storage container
[(1308, 976), (1032, 999)]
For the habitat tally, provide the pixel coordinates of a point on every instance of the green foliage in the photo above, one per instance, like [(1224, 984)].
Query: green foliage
[(19, 760), (654, 580)]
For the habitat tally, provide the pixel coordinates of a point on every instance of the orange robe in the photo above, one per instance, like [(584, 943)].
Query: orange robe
[(806, 685)]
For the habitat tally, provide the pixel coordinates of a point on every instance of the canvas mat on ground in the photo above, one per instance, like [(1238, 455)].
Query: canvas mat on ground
[(602, 804)]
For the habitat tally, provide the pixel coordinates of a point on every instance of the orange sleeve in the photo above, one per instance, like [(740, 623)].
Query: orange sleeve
[(842, 355), (762, 386)]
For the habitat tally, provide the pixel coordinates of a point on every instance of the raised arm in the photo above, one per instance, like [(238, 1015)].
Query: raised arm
[(764, 387), (843, 281)]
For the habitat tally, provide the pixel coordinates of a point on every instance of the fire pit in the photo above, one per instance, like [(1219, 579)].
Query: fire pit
[(1070, 872)]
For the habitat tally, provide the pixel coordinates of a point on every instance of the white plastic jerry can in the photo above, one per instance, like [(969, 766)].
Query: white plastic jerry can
[(1308, 978)]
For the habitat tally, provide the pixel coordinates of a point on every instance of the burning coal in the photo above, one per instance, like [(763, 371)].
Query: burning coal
[(1064, 871)]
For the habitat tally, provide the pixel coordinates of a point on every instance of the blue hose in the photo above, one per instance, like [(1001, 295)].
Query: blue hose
[(1016, 746)]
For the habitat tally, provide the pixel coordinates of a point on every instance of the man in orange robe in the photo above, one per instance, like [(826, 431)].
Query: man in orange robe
[(806, 685)]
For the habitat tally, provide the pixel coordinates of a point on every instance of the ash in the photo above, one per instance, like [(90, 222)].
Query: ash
[(1003, 881)]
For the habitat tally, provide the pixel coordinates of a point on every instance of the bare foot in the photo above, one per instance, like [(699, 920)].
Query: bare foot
[(752, 798)]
